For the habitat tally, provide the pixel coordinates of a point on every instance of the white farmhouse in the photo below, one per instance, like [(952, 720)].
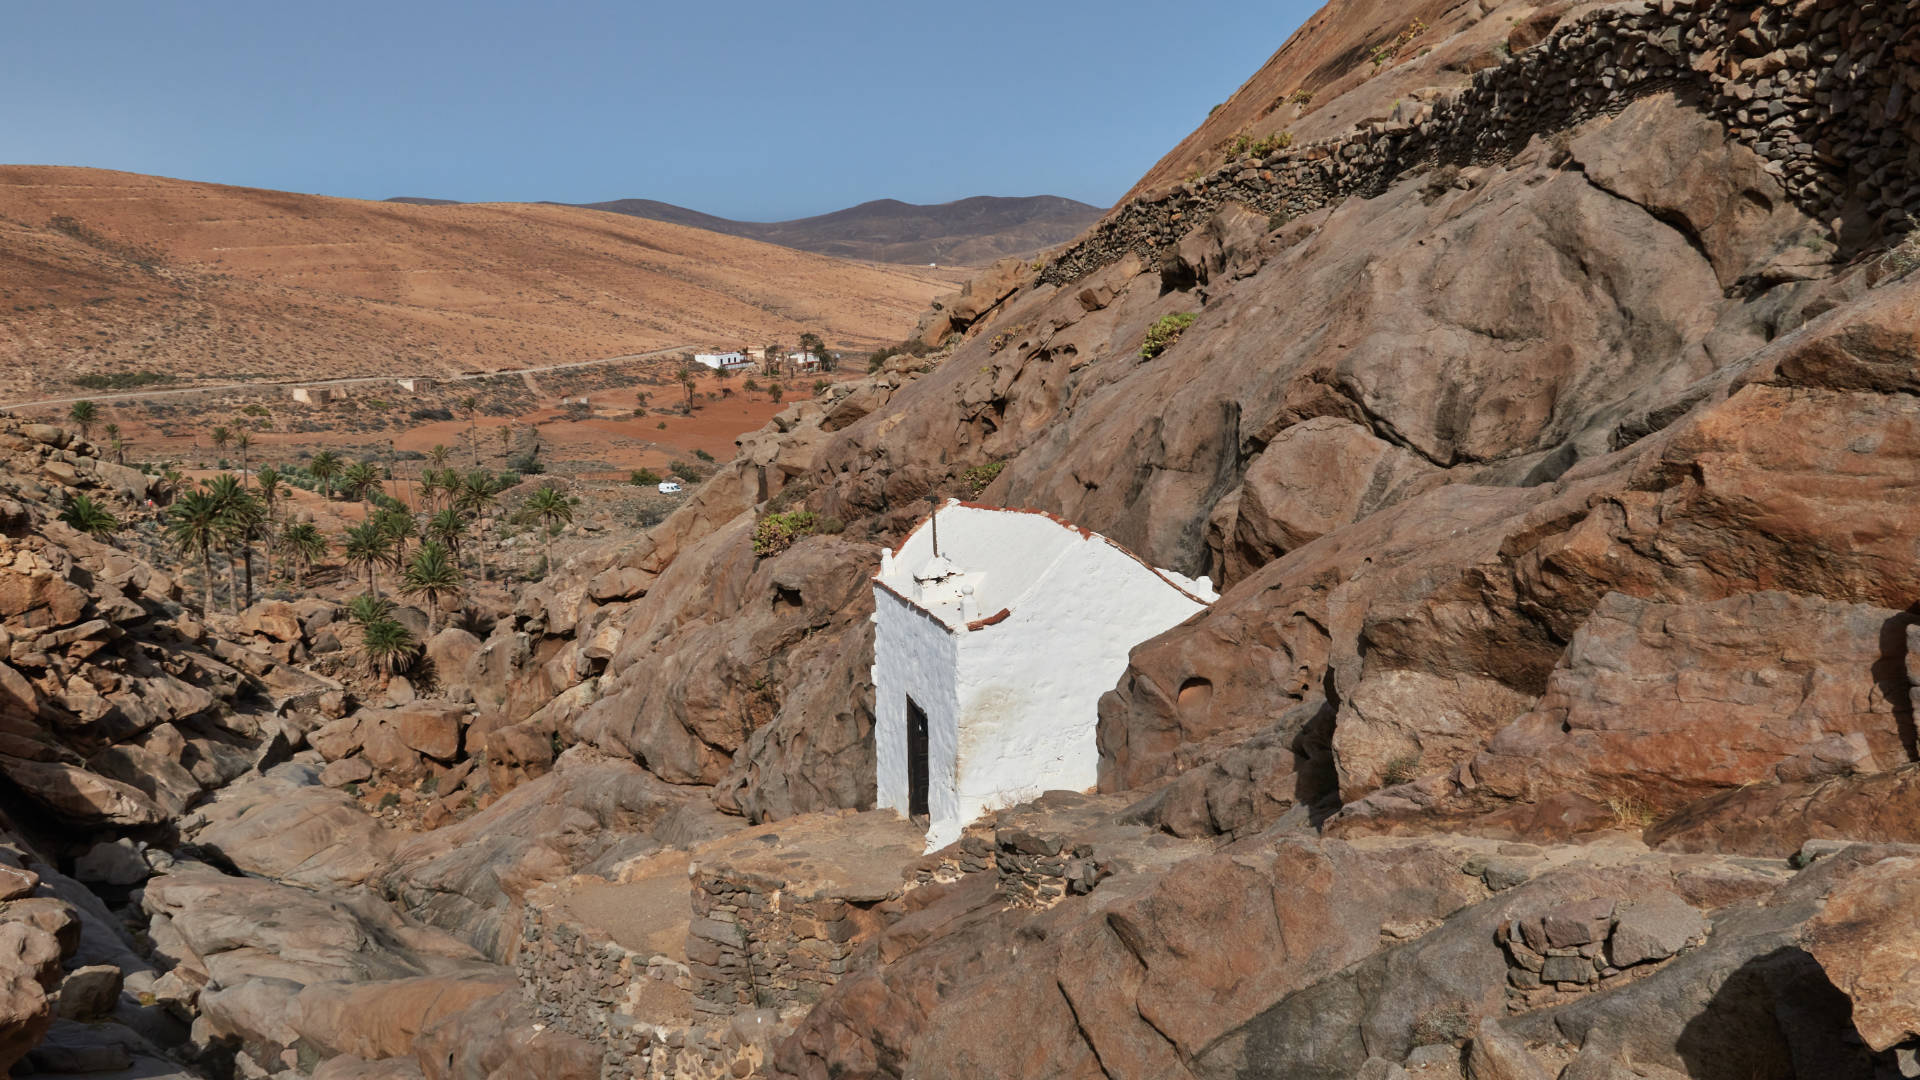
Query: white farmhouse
[(716, 361), (990, 654)]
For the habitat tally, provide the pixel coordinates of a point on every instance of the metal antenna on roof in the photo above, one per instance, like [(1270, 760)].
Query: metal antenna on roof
[(933, 519)]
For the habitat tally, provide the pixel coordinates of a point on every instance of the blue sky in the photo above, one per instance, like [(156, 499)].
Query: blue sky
[(747, 109)]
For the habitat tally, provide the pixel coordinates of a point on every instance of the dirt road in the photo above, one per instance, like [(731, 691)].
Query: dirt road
[(140, 395)]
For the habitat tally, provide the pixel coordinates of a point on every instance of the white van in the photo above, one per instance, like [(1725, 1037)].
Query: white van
[(669, 487)]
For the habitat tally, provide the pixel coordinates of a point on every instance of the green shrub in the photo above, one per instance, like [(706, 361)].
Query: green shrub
[(980, 476), (703, 455), (1904, 257), (1164, 332), (390, 799), (776, 533), (1247, 146), (643, 478), (1386, 53), (1401, 769)]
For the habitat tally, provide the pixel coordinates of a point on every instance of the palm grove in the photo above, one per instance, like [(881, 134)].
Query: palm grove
[(224, 524)]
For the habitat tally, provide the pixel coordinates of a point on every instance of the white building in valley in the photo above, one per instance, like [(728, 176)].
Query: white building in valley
[(732, 361), (995, 633)]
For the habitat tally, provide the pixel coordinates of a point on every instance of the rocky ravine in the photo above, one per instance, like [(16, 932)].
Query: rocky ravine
[(1555, 719)]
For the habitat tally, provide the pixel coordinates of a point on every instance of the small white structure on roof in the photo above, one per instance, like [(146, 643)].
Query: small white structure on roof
[(991, 652)]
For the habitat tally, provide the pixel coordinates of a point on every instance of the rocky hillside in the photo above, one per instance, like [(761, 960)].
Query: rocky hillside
[(1547, 436), (1550, 442), (116, 274)]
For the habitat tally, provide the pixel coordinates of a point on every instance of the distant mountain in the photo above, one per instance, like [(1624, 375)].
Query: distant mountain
[(412, 200), (967, 232)]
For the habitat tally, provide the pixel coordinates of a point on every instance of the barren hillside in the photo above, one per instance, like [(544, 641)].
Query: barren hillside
[(104, 272), (969, 232)]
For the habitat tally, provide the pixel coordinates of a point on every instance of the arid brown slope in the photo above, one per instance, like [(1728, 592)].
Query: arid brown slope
[(1325, 80), (113, 272)]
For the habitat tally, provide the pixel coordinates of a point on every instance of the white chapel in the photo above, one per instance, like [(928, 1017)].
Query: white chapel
[(995, 633)]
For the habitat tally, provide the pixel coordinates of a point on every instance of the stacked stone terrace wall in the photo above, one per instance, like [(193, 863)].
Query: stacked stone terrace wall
[(1038, 870), (578, 979), (753, 945), (1825, 91)]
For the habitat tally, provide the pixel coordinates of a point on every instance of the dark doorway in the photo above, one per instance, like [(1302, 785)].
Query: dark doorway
[(916, 760)]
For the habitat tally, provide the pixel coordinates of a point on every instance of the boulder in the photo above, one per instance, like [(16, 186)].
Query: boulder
[(1867, 939), (387, 751), (240, 929), (89, 993), (276, 619), (346, 771), (339, 737), (82, 797), (30, 952), (431, 728), (287, 826), (448, 653), (119, 862), (1653, 927), (400, 691)]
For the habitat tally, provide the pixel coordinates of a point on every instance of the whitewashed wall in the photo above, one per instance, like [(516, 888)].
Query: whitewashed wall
[(1030, 685), (913, 654), (1012, 707)]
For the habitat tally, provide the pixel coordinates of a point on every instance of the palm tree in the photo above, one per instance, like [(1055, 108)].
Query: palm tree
[(433, 575), (171, 480), (368, 608), (303, 545), (360, 480), (686, 377), (87, 516), (324, 467), (388, 646), (368, 547), (430, 476), (506, 440), (269, 480), (116, 444), (242, 441), (549, 506), (429, 488), (447, 528), (399, 524), (83, 413), (221, 437), (240, 519), (477, 493), (193, 525), (472, 405)]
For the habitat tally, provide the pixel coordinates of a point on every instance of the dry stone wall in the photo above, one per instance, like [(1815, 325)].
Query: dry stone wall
[(578, 979), (752, 945), (1823, 90)]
